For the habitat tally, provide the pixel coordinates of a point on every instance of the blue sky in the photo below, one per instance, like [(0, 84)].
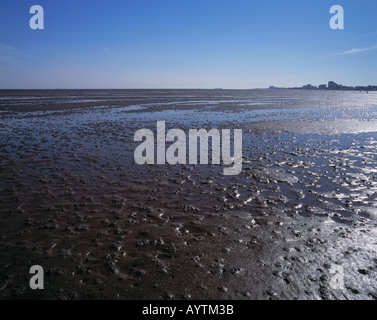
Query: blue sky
[(186, 44)]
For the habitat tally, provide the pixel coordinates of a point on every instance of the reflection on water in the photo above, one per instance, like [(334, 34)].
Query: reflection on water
[(188, 110)]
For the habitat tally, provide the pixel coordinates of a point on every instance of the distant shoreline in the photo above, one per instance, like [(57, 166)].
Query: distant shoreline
[(306, 87), (331, 86)]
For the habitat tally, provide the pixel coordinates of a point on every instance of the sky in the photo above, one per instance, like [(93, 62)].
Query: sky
[(235, 44)]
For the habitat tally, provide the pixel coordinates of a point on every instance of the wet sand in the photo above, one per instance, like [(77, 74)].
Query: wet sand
[(73, 201)]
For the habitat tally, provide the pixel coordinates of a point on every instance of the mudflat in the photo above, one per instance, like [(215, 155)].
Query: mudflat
[(74, 201)]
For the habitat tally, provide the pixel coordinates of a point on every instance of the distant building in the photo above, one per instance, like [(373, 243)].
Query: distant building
[(273, 87), (309, 87), (333, 86)]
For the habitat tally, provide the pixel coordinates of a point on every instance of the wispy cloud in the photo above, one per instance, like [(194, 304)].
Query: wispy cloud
[(353, 51), (8, 54), (4, 49), (350, 52)]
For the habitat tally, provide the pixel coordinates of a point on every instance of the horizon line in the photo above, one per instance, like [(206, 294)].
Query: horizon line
[(271, 87), (216, 89)]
